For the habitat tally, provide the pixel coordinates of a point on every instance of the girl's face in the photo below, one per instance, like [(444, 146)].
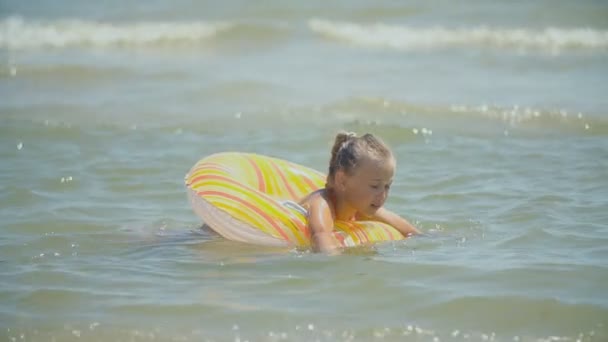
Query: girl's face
[(366, 189)]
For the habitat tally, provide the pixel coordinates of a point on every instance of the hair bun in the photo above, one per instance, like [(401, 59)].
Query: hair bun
[(348, 137)]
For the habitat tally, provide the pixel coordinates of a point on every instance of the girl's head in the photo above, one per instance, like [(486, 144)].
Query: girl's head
[(361, 170)]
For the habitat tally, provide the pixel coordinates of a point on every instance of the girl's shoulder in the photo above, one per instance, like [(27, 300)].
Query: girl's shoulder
[(313, 197)]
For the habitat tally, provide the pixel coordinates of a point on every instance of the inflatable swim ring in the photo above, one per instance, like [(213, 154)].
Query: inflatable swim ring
[(249, 198)]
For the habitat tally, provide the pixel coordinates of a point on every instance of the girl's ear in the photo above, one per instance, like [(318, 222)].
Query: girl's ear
[(340, 180)]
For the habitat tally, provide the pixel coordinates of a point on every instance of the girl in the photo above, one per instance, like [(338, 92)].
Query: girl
[(360, 174)]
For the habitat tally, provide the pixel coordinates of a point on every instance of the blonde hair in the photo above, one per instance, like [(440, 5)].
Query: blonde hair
[(349, 150)]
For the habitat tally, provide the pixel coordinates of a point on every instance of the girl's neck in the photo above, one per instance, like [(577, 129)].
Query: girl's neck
[(342, 211)]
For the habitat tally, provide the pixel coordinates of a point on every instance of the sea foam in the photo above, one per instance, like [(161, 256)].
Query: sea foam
[(401, 37), (18, 33)]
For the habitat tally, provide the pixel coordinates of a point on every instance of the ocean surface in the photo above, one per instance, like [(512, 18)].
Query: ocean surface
[(497, 112)]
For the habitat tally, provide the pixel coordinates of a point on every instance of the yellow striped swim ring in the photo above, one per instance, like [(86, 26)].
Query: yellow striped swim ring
[(243, 196)]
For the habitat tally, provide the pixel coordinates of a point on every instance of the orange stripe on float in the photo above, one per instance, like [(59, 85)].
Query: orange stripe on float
[(203, 168), (360, 232), (339, 237), (300, 225), (356, 232), (242, 185), (282, 175), (211, 165), (258, 172), (219, 177), (364, 233), (310, 183), (250, 206), (390, 233)]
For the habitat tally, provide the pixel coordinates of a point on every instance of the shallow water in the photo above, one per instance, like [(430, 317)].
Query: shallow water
[(496, 113)]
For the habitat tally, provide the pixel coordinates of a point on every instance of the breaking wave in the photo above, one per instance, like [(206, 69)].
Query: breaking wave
[(17, 33), (552, 40)]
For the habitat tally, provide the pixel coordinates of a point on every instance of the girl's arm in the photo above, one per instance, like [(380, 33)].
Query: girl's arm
[(321, 223), (398, 222)]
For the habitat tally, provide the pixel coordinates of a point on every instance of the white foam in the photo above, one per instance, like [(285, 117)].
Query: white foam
[(551, 40), (17, 33)]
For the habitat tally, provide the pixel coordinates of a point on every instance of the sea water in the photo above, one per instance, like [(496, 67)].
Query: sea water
[(495, 110)]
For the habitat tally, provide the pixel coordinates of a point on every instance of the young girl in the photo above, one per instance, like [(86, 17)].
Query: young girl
[(360, 174)]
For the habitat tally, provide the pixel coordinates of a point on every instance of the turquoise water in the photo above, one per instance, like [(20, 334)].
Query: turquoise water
[(496, 112)]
